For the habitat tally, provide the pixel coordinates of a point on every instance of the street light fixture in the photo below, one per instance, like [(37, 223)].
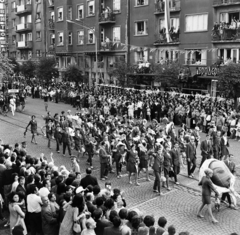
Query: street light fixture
[(96, 40)]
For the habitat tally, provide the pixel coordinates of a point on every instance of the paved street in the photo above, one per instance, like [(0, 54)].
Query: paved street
[(179, 205)]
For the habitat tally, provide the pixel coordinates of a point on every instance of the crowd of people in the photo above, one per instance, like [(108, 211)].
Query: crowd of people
[(124, 128)]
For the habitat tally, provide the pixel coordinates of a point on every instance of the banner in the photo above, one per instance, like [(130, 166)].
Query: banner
[(167, 20)]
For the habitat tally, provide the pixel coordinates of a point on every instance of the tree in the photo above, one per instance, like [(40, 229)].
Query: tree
[(73, 74), (6, 67), (15, 64), (229, 81), (28, 69), (46, 69), (168, 73), (120, 71)]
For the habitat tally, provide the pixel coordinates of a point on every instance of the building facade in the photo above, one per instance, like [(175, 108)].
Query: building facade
[(26, 29), (94, 34)]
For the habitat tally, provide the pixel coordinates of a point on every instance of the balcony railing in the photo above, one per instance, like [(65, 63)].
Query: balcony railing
[(24, 9), (106, 18), (225, 34), (24, 27), (162, 39), (225, 2), (174, 5), (51, 24), (51, 3), (24, 45), (107, 46)]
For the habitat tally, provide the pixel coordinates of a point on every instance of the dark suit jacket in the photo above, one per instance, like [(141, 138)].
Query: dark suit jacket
[(206, 148), (66, 139), (112, 231), (224, 147), (175, 157), (104, 158), (21, 189), (191, 151), (91, 207), (88, 180), (101, 225), (158, 162)]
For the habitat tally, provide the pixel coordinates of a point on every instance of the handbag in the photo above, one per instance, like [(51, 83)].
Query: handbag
[(76, 227)]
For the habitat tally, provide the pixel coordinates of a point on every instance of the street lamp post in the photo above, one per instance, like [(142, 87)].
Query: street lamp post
[(96, 46)]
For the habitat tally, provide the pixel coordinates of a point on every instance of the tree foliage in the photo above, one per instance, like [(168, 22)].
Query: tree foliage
[(168, 73), (15, 64), (120, 71), (73, 74), (6, 67), (46, 69), (229, 81), (28, 69)]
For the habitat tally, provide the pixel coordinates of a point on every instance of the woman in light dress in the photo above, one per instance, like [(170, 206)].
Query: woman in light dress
[(12, 105), (16, 213)]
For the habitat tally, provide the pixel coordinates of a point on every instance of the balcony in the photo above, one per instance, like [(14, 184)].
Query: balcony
[(225, 35), (219, 3), (174, 6), (107, 18), (161, 38), (51, 3), (22, 9), (51, 24), (111, 46), (24, 27), (24, 45)]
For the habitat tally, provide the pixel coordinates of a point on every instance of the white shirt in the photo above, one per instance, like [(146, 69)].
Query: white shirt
[(34, 203), (43, 192)]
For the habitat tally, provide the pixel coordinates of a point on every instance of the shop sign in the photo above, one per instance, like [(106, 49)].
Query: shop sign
[(207, 71)]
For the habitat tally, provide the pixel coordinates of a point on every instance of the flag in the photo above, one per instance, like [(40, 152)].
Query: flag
[(167, 20)]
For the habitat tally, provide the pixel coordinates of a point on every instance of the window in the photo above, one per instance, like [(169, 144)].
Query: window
[(2, 11), (196, 57), (13, 5), (174, 24), (60, 13), (13, 39), (29, 18), (196, 22), (38, 53), (60, 38), (13, 22), (141, 2), (38, 35), (38, 16), (80, 37), (116, 6), (90, 7), (91, 36), (52, 16), (141, 56), (141, 28), (52, 39), (29, 36), (69, 38), (116, 34), (80, 11), (70, 13), (229, 17)]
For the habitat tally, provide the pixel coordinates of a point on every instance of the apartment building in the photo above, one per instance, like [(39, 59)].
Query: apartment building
[(3, 20), (26, 29), (94, 34)]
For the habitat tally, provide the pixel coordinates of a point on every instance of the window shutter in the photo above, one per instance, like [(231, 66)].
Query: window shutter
[(204, 57), (145, 53), (146, 2), (146, 26)]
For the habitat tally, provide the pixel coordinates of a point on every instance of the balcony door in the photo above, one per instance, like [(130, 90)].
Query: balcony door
[(23, 38), (22, 20)]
